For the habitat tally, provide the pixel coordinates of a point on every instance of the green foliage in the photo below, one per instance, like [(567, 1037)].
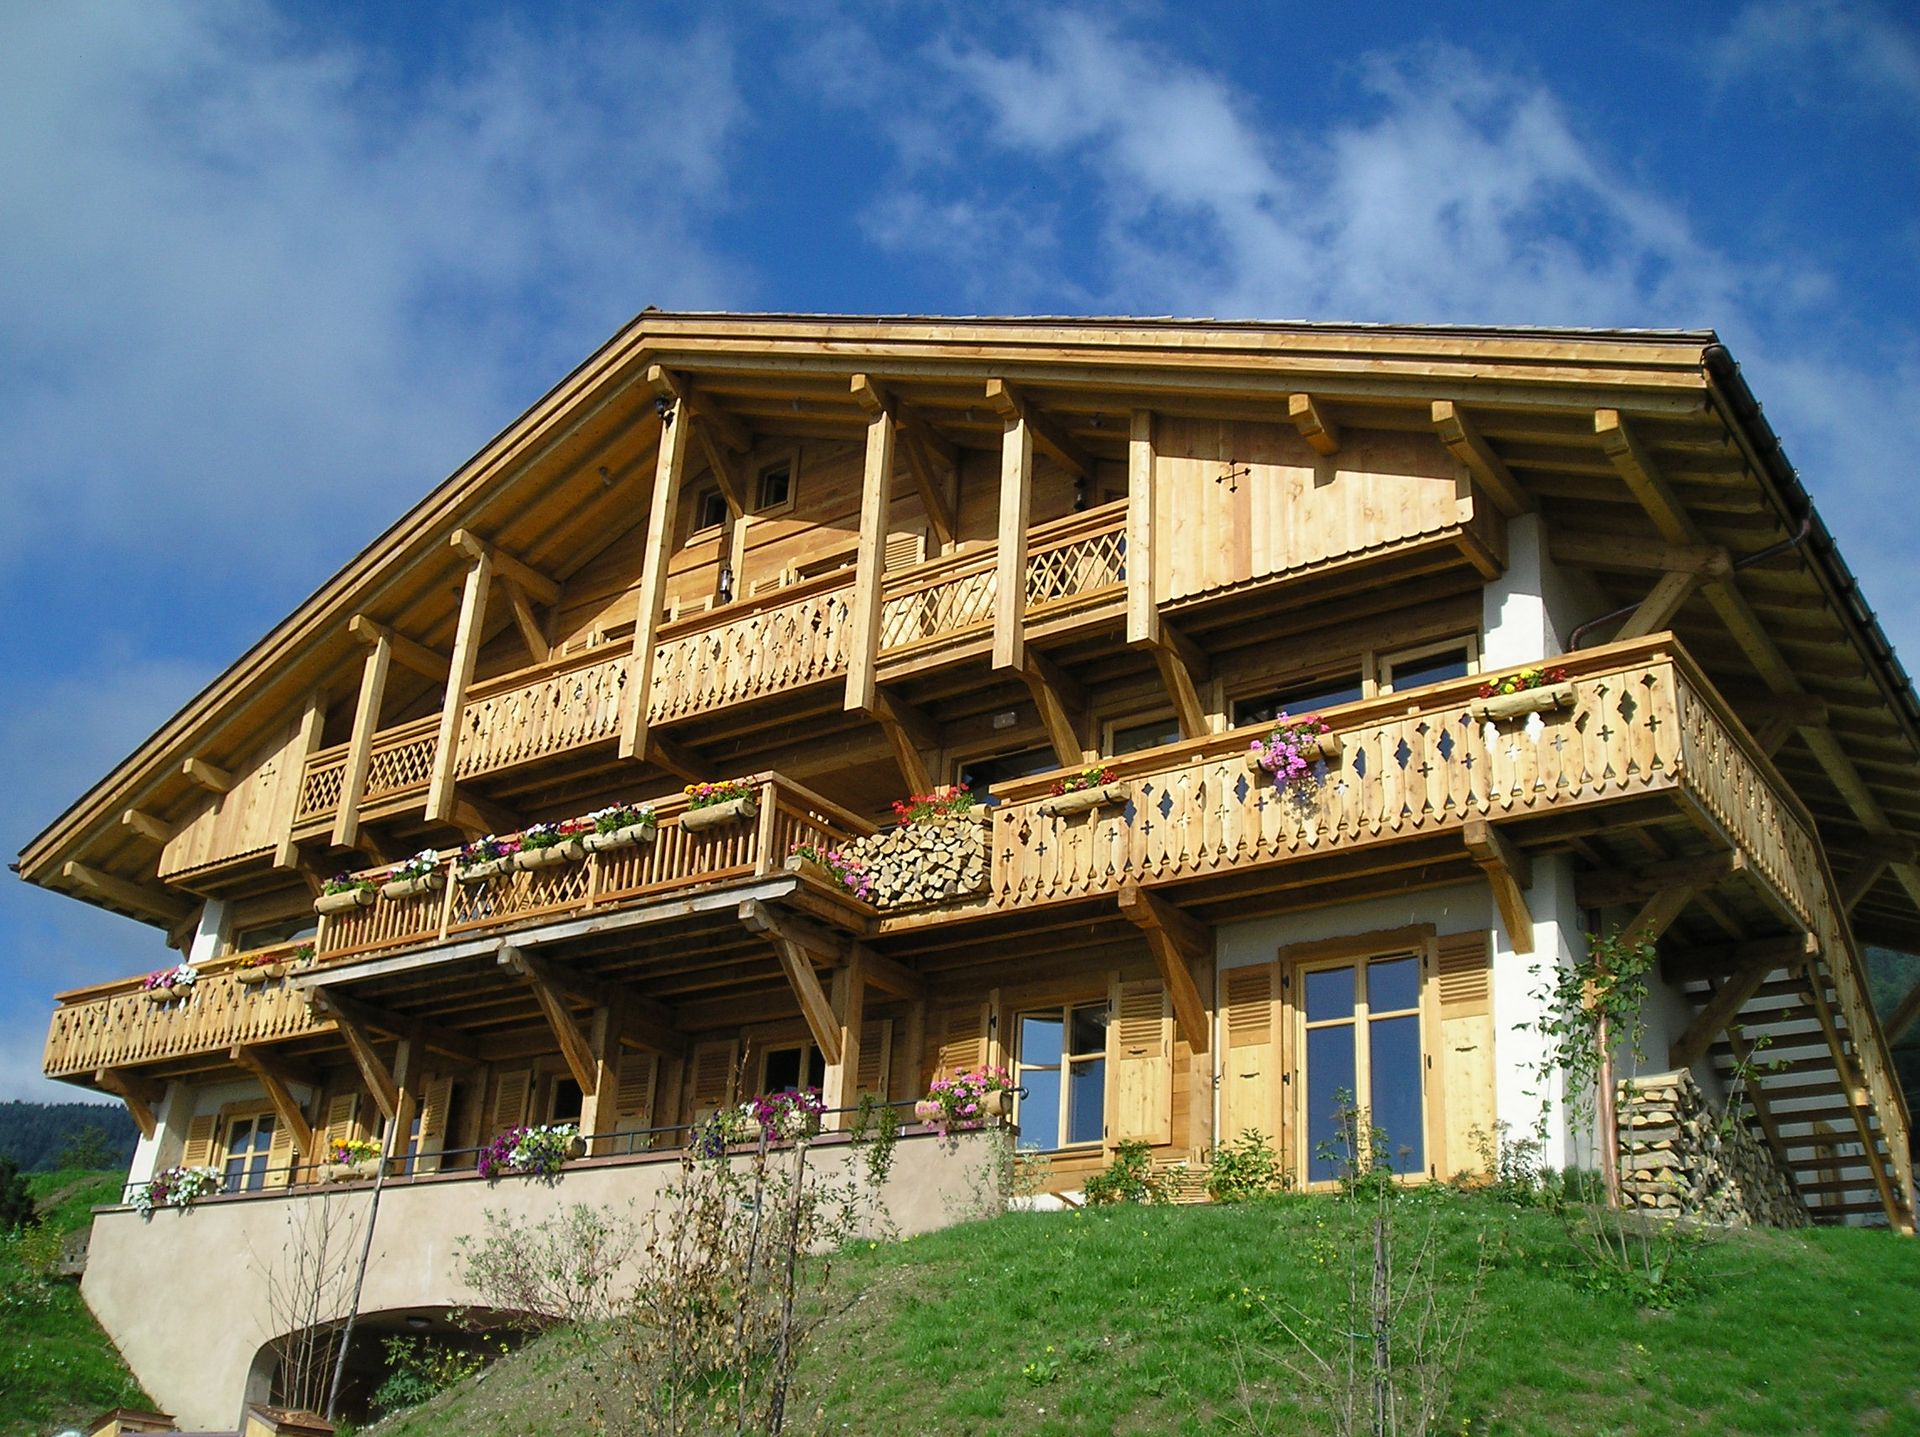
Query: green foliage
[(1128, 1178), (1245, 1168), (16, 1203), (559, 1269), (87, 1148), (419, 1368), (876, 1131), (37, 1136), (1605, 992)]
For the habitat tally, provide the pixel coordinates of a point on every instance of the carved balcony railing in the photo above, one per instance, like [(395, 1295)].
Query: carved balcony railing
[(521, 718), (116, 1025), (777, 641), (399, 766), (678, 859)]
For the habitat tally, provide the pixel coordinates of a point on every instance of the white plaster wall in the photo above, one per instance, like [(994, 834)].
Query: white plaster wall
[(211, 936), (1531, 610), (1523, 1101), (1666, 1014), (1460, 908)]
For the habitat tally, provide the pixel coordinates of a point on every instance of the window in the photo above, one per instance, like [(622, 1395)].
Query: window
[(788, 1070), (1361, 1051), (1298, 700), (566, 1102), (709, 511), (249, 1140), (272, 935), (1061, 1062), (1133, 735), (979, 774), (774, 489), (1428, 664)]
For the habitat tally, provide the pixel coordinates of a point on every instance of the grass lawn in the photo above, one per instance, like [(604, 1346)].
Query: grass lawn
[(1163, 1320), (56, 1366)]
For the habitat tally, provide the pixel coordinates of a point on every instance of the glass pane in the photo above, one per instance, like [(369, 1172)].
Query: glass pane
[(1393, 983), (783, 1070), (1086, 1100), (1329, 993), (816, 1074), (1394, 1060), (1040, 1039), (1038, 1113), (1432, 669), (1090, 1029), (1296, 702), (1133, 737), (1330, 1088), (978, 774)]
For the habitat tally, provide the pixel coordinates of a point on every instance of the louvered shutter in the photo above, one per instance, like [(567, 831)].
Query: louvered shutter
[(905, 550), (435, 1106), (198, 1152), (1250, 1069), (1140, 1062), (711, 1075), (280, 1155), (633, 1099), (876, 1058), (509, 1102), (961, 1041), (1465, 981)]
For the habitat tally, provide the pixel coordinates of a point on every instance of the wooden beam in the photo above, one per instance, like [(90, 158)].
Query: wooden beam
[(676, 758), (907, 731), (475, 815), (870, 564), (1733, 994), (1010, 555), (211, 777), (1011, 406), (1143, 609), (1314, 426), (798, 967), (1618, 552), (724, 465), (730, 431), (358, 1036), (453, 1044), (1858, 882), (406, 652), (1662, 602), (140, 1096), (306, 743), (1657, 914), (274, 1079), (533, 633), (1183, 667), (1182, 947), (1859, 1105), (1798, 710), (891, 977), (160, 902), (469, 634), (1063, 704), (366, 723), (933, 463), (1509, 873), (147, 826), (1607, 890), (849, 1005), (663, 510), (1636, 468), (831, 948), (575, 1046), (1464, 442), (541, 588)]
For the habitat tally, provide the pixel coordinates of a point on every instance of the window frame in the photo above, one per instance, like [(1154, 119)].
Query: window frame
[(1362, 673), (1018, 1067), (250, 1178), (790, 462), (808, 1049), (697, 531), (1387, 661), (1110, 729)]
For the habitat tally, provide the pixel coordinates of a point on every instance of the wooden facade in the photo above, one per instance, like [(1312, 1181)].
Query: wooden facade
[(844, 561)]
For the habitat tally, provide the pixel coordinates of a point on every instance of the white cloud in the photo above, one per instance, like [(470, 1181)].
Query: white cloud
[(1824, 52)]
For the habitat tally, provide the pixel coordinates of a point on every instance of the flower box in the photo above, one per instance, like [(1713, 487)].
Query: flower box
[(1079, 800), (632, 836), (728, 810), (1326, 746), (166, 993), (260, 973), (395, 888), (485, 870), (572, 850), (365, 1170), (807, 868), (926, 1111), (1544, 699), (345, 902)]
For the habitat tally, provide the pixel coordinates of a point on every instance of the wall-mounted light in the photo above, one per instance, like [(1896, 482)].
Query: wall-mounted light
[(726, 583), (664, 408)]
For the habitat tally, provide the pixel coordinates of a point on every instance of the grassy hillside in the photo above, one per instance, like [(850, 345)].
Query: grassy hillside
[(1155, 1320), (56, 1366)]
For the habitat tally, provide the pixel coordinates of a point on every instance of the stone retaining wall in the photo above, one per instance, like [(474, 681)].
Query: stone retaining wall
[(932, 862), (1677, 1156)]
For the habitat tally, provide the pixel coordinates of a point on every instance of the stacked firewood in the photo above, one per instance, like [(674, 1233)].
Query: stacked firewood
[(1679, 1157), (934, 861)]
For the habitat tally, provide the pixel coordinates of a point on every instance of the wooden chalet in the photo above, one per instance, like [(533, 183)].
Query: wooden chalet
[(847, 560)]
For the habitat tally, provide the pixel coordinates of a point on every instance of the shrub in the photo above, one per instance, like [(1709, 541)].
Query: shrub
[(418, 1368), (1129, 1178), (561, 1268), (1245, 1168)]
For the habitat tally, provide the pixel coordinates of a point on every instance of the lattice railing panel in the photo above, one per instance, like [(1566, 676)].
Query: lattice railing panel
[(1077, 567), (945, 602), (320, 785), (402, 759)]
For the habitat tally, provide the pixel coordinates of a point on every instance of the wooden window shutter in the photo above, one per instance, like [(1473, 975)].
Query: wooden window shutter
[(339, 1122), (962, 1039), (199, 1146), (876, 1058), (633, 1098), (904, 551), (509, 1109), (280, 1155), (1140, 1062), (710, 1081), (1464, 978), (1250, 1067), (436, 1104)]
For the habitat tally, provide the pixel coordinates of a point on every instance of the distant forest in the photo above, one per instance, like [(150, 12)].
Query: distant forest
[(40, 1137)]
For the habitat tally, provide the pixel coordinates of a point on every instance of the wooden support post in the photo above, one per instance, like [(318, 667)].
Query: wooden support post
[(274, 1079), (1509, 873), (841, 1088), (786, 937), (313, 723), (1065, 710), (1010, 564), (1053, 440), (1733, 994), (1319, 431), (693, 404), (1143, 612), (1182, 948), (663, 514), (518, 572), (601, 1103), (407, 1063), (870, 565), (366, 722), (467, 637), (140, 1096), (1463, 440), (575, 1046)]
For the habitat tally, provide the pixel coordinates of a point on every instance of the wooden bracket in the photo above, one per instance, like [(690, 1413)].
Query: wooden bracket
[(1183, 667), (911, 735), (1509, 872), (1728, 999), (135, 896), (790, 942), (1623, 552), (1182, 947), (352, 1020), (1063, 705), (538, 586), (1313, 424), (1638, 471), (533, 633), (1662, 602), (406, 652), (576, 1045), (211, 777), (147, 826), (728, 429), (1465, 443), (365, 1015), (933, 462), (889, 976), (139, 1094), (274, 1078), (1010, 405)]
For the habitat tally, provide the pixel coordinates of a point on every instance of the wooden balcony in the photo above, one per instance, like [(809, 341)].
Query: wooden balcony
[(116, 1026)]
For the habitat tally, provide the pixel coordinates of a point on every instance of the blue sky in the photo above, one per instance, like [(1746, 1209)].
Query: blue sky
[(267, 273)]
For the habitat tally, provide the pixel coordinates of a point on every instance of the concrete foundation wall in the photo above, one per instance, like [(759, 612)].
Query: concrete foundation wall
[(185, 1294)]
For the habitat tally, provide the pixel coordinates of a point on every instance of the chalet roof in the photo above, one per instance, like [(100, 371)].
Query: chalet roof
[(1691, 430)]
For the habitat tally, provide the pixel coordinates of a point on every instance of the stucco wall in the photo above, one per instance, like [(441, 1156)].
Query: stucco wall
[(184, 1295)]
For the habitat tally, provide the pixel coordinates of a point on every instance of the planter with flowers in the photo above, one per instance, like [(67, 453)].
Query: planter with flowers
[(722, 1129), (623, 825), (343, 893), (790, 1117), (275, 963), (179, 1187), (950, 802), (419, 874), (711, 804), (163, 985), (1530, 691), (484, 859), (974, 1099), (1087, 789), (1293, 750), (350, 1160), (833, 866), (548, 845), (531, 1151)]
